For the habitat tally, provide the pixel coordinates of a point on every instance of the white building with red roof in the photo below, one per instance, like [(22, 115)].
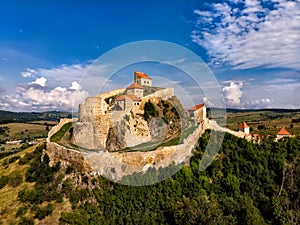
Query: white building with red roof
[(244, 128), (142, 79), (135, 89), (125, 102), (198, 112), (283, 133)]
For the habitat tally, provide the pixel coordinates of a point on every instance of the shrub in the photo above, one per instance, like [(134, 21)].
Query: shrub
[(42, 212), (22, 210), (69, 169), (13, 159), (26, 159), (26, 221), (15, 180), (149, 110), (3, 181)]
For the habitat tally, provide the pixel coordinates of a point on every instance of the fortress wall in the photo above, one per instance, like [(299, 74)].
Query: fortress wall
[(96, 105), (67, 157), (83, 135), (116, 165), (59, 126), (111, 93), (164, 94), (214, 126), (91, 107), (101, 124)]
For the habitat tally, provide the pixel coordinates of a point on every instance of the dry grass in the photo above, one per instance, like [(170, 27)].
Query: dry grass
[(24, 130), (9, 202)]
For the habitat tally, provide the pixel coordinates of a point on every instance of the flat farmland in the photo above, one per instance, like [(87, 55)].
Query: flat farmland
[(18, 131), (265, 122)]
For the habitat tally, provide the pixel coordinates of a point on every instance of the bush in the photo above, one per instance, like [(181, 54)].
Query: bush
[(15, 180), (26, 159), (149, 110), (69, 169), (3, 181), (13, 159), (42, 212), (26, 221), (261, 127), (22, 210)]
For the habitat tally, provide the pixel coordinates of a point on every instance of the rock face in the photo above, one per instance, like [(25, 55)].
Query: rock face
[(115, 138), (66, 156)]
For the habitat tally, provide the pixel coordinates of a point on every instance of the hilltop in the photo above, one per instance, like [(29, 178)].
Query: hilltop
[(24, 117)]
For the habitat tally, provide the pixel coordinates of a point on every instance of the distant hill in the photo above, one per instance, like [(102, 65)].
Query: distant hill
[(22, 117), (263, 110), (233, 110)]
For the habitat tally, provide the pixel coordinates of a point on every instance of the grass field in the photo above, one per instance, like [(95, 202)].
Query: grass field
[(9, 203), (43, 122), (24, 130)]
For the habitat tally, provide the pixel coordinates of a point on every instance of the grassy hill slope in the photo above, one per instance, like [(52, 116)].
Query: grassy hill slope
[(246, 184)]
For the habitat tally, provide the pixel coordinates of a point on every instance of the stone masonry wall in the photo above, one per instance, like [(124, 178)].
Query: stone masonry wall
[(94, 121), (59, 126), (116, 165), (164, 94)]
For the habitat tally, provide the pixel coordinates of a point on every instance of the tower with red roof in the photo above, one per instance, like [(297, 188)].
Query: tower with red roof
[(244, 128), (283, 133), (142, 79)]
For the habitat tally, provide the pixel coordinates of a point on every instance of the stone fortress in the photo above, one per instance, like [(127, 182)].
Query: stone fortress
[(115, 120), (120, 113)]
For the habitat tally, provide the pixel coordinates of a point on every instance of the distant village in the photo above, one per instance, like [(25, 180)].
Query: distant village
[(257, 138)]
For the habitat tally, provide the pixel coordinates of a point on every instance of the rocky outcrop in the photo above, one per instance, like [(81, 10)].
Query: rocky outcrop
[(66, 156), (115, 139)]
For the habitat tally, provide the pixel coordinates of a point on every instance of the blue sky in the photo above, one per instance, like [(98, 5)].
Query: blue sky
[(252, 46)]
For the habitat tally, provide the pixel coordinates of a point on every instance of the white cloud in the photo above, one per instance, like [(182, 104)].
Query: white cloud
[(40, 81), (75, 86), (258, 103), (38, 98), (252, 35), (207, 102), (57, 88), (233, 93), (28, 73), (89, 77)]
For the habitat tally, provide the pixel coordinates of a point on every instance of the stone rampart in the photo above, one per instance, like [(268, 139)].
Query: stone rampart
[(66, 156), (96, 105), (59, 126), (164, 94)]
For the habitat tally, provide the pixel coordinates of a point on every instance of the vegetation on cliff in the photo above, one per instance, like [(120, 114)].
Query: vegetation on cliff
[(246, 184)]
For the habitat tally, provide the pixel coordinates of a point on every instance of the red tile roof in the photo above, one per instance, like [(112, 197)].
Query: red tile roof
[(243, 125), (283, 131), (120, 98), (196, 107), (142, 75), (132, 97), (134, 86)]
